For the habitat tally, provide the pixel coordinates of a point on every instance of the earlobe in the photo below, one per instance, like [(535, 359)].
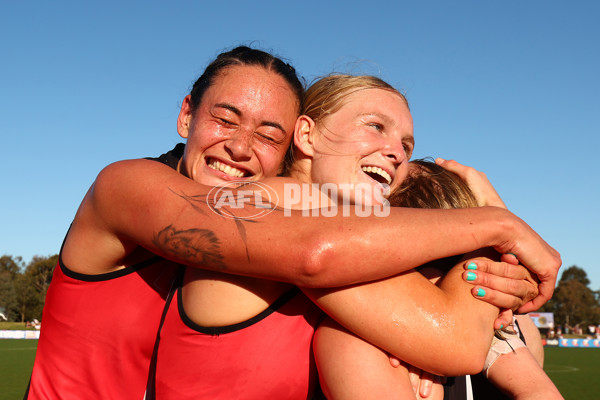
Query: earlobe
[(185, 117), (303, 135)]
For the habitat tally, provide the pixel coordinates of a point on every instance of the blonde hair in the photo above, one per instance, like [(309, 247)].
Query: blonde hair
[(327, 95)]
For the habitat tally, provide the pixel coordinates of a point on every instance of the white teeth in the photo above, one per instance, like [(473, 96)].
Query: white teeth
[(227, 169), (380, 172)]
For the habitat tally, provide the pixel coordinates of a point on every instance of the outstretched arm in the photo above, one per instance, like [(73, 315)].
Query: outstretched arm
[(141, 203)]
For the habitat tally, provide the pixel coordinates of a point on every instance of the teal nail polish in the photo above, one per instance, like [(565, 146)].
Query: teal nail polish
[(472, 265), (471, 276), (480, 292), (501, 326)]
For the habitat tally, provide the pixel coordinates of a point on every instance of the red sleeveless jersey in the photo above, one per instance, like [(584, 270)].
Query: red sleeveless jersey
[(266, 357), (98, 332)]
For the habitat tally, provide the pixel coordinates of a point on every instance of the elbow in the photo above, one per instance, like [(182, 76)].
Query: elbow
[(472, 354), (458, 365), (466, 363), (467, 355), (473, 364), (315, 269)]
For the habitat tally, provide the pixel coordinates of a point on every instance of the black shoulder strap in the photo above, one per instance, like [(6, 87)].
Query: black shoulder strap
[(151, 385), (172, 157)]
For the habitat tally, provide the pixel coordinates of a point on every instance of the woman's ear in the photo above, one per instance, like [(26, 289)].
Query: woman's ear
[(185, 117), (304, 135)]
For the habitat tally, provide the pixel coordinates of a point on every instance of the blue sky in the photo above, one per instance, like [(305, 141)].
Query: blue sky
[(511, 88)]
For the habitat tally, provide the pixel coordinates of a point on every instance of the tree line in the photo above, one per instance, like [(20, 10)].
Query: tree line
[(23, 290), (573, 302), (23, 286)]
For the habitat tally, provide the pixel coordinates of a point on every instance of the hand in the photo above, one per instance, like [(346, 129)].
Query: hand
[(536, 255), (503, 284), (542, 259), (478, 182), (422, 381), (505, 318), (394, 361)]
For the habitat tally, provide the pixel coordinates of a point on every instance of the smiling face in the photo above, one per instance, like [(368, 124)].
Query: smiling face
[(241, 129), (368, 141)]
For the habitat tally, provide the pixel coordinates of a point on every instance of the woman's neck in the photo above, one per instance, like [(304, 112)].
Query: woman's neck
[(300, 170)]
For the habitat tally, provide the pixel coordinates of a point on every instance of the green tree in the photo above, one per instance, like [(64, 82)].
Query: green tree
[(10, 264), (8, 296), (27, 299), (575, 273), (32, 285), (40, 271), (573, 301), (10, 269)]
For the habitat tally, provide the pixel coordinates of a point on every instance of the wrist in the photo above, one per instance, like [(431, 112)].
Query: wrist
[(504, 229)]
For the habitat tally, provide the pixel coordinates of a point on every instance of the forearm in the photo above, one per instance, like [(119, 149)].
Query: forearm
[(354, 250), (519, 375), (441, 330), (168, 214), (532, 337)]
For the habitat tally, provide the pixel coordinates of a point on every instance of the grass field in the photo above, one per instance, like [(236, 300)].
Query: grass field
[(16, 360), (576, 372)]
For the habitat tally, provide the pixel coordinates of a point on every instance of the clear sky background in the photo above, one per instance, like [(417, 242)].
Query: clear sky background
[(511, 88)]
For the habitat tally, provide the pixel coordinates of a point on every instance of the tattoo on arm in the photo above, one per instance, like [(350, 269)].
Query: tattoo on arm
[(198, 202), (182, 242), (196, 246), (195, 201)]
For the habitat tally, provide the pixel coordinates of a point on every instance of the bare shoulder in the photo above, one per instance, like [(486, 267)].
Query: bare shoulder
[(124, 186), (121, 174), (96, 242)]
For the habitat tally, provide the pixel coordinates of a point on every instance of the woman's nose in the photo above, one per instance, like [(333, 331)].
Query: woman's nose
[(395, 152), (239, 146)]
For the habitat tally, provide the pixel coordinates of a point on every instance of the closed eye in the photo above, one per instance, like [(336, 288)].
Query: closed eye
[(273, 137), (226, 122), (272, 132), (267, 137)]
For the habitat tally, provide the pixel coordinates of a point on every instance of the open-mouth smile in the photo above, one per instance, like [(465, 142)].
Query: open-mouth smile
[(378, 174)]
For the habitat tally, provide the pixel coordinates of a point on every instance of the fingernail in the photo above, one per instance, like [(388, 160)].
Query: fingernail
[(480, 292), (471, 276), (472, 265), (501, 326), (513, 254)]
